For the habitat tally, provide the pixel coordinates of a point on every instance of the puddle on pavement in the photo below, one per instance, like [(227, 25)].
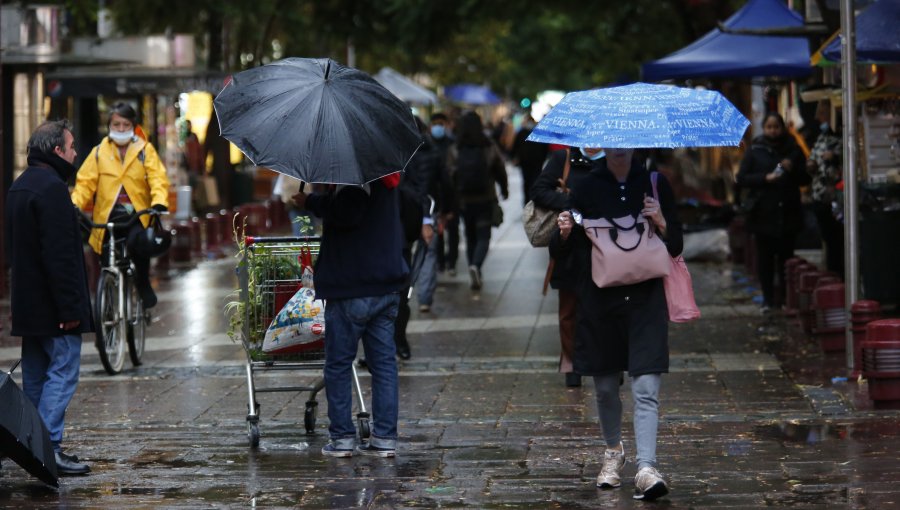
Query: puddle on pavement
[(810, 433)]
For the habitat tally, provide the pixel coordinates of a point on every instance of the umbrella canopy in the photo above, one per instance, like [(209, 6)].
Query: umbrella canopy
[(877, 35), (23, 436), (471, 94), (404, 88), (642, 115), (318, 121)]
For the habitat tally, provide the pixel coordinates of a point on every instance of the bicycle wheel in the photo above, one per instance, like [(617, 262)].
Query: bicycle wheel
[(110, 340), (137, 326)]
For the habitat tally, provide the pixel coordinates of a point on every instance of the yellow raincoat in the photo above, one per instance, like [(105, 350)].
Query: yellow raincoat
[(102, 175)]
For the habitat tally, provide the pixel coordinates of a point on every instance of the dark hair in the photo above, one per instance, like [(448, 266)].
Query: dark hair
[(123, 110), (49, 135), (439, 116), (470, 131), (777, 116)]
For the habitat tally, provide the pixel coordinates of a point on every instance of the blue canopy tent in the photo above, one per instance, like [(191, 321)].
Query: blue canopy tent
[(470, 94), (718, 54), (877, 35)]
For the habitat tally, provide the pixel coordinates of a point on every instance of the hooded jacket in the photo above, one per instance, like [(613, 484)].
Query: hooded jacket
[(103, 174)]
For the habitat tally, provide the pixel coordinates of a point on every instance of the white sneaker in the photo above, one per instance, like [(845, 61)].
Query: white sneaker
[(613, 462), (649, 485)]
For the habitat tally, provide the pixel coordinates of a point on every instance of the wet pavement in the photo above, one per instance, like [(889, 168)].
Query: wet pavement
[(750, 416)]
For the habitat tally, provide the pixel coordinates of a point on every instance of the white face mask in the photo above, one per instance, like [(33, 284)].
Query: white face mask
[(121, 137)]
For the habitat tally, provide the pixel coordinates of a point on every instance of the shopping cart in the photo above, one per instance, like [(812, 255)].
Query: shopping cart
[(270, 274)]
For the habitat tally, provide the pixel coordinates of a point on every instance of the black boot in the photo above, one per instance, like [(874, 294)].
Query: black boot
[(403, 348), (69, 465)]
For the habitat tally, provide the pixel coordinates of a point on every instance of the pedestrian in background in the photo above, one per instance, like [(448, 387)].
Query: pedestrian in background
[(477, 168), (529, 156), (772, 172), (551, 192), (623, 327), (825, 166), (360, 270), (448, 237), (49, 298), (122, 175)]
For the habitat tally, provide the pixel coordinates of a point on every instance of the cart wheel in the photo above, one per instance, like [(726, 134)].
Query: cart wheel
[(364, 430), (309, 416), (253, 434)]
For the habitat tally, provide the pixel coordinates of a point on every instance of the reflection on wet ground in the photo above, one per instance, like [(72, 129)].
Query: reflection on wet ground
[(750, 416)]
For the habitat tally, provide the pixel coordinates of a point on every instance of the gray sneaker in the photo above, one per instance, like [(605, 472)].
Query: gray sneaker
[(331, 450), (613, 462), (649, 484)]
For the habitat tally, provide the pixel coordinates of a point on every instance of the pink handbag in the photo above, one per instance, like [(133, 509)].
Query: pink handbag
[(625, 251), (678, 285)]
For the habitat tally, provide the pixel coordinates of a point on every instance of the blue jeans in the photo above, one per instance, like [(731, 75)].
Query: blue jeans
[(50, 367), (427, 278), (372, 320)]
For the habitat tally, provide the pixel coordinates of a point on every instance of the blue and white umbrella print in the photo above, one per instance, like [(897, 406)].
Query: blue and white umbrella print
[(642, 115)]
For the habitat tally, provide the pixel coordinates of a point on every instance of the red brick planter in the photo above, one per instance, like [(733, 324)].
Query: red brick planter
[(792, 294), (831, 317), (862, 313), (881, 362), (805, 287)]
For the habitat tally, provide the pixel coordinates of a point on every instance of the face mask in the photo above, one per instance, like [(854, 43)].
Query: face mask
[(438, 131), (121, 137), (823, 126), (594, 157)]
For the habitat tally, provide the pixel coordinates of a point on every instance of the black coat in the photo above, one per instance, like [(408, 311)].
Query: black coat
[(545, 194), (626, 327), (773, 208), (45, 252)]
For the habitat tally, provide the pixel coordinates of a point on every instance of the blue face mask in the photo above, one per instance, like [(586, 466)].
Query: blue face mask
[(438, 131), (594, 157), (823, 126)]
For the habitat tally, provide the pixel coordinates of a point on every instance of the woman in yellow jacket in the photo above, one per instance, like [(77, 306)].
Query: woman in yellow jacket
[(121, 175)]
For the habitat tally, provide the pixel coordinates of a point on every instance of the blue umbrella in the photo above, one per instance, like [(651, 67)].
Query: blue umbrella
[(470, 94), (642, 115)]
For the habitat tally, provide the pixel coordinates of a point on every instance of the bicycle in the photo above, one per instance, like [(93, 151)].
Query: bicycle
[(119, 310)]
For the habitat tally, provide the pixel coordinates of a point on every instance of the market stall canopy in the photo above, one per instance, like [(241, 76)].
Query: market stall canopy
[(723, 55), (470, 94), (877, 35), (404, 88)]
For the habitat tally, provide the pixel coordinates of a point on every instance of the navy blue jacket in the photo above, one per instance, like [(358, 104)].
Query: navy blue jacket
[(45, 252), (362, 242)]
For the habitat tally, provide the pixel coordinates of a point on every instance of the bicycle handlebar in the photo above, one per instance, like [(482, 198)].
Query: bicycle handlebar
[(122, 225)]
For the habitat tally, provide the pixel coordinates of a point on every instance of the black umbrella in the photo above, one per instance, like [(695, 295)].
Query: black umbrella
[(23, 436), (318, 121)]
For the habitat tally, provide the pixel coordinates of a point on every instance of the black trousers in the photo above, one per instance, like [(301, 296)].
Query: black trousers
[(477, 222), (771, 253), (141, 264), (832, 232)]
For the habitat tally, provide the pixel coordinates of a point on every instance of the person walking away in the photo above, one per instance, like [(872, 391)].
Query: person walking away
[(360, 270), (772, 172), (529, 156), (49, 297), (122, 175), (623, 327), (550, 192), (824, 164), (443, 140), (477, 168)]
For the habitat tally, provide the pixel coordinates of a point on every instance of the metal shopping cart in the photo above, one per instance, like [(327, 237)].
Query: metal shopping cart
[(270, 273)]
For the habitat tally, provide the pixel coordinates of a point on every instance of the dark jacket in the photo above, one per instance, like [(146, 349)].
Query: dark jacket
[(773, 208), (626, 327), (545, 194), (45, 252), (496, 169), (449, 201), (362, 242)]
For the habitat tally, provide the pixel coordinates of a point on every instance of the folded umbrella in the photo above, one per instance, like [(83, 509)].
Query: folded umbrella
[(23, 436), (642, 115), (318, 121)]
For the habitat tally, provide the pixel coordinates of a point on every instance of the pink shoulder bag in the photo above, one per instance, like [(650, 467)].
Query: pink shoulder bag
[(678, 285)]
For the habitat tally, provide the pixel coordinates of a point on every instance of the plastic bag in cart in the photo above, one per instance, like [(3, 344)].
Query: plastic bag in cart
[(300, 322)]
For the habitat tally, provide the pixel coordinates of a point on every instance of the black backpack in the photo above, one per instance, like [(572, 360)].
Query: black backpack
[(471, 175)]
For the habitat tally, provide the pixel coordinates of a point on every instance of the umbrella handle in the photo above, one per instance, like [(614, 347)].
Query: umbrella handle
[(302, 185), (16, 364)]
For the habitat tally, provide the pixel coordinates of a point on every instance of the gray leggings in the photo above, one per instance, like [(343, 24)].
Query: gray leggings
[(645, 390)]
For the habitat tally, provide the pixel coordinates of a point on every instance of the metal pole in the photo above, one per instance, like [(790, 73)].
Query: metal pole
[(851, 231)]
